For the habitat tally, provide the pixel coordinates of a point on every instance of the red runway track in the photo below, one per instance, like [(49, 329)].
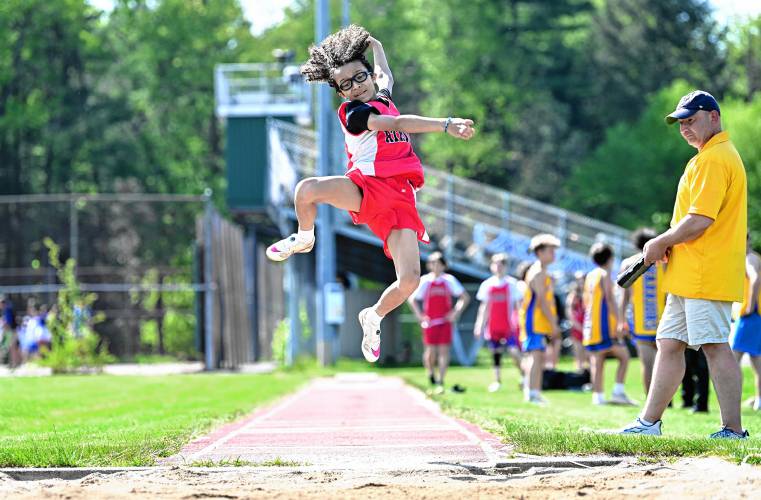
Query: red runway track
[(358, 421)]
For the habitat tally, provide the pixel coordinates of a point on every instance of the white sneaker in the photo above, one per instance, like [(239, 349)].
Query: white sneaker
[(288, 246), (622, 399), (599, 401), (641, 428), (537, 400), (494, 387), (371, 336)]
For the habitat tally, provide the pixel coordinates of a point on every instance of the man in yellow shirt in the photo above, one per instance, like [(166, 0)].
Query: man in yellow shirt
[(705, 251)]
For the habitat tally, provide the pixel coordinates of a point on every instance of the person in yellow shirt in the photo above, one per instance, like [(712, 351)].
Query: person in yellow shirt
[(705, 250), (538, 318), (647, 301), (746, 332), (600, 322)]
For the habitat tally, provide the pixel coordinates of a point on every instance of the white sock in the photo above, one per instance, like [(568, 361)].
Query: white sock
[(642, 420), (373, 316), (305, 235), (757, 406), (618, 389), (598, 397)]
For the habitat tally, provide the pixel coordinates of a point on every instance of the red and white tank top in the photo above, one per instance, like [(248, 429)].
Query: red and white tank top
[(436, 294), (500, 295), (380, 153)]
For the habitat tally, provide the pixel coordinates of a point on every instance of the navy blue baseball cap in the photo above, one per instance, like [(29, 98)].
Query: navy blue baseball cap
[(691, 104)]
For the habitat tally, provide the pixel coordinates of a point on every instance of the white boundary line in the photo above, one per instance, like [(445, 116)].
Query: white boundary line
[(365, 428), (347, 447)]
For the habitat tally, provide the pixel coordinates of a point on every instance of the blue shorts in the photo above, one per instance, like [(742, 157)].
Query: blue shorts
[(746, 335), (605, 344), (501, 344), (534, 342), (497, 345), (643, 338)]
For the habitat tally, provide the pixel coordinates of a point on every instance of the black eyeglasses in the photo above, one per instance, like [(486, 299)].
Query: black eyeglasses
[(349, 82)]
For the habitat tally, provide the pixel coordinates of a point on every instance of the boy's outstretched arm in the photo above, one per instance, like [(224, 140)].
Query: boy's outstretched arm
[(461, 128), (383, 77)]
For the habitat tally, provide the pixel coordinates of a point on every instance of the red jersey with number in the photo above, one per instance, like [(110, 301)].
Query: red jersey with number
[(378, 153), (438, 300), (499, 313)]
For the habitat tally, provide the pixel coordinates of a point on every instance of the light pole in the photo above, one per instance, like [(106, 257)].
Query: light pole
[(326, 242)]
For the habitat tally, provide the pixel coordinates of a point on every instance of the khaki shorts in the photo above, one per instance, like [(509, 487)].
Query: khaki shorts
[(695, 321)]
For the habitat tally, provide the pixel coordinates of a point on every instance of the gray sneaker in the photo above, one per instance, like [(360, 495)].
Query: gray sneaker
[(727, 433)]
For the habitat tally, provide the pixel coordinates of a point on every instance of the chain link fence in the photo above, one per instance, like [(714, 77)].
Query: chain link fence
[(137, 252)]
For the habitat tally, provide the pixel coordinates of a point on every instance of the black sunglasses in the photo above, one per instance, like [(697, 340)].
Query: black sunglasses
[(360, 77)]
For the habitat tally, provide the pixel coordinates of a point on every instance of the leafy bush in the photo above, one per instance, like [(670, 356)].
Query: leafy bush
[(75, 345)]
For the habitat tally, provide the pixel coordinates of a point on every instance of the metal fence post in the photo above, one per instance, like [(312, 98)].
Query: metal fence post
[(73, 229), (294, 330), (563, 228), (506, 210), (208, 277), (450, 215)]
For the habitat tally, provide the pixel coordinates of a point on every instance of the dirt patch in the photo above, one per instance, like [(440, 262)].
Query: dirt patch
[(694, 478)]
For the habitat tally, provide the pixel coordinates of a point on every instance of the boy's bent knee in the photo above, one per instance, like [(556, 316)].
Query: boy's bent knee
[(305, 189), (408, 283)]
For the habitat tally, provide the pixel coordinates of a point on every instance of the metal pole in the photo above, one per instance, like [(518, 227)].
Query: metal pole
[(250, 279), (450, 215), (326, 250), (294, 330), (208, 276), (345, 16), (73, 229)]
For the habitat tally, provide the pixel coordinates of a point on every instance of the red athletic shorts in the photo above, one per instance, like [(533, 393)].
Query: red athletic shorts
[(438, 334), (388, 203)]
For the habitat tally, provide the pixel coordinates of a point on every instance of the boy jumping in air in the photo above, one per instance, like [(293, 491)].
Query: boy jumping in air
[(383, 171)]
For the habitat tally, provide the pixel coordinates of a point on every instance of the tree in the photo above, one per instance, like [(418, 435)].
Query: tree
[(163, 70), (44, 91), (638, 47), (511, 67), (632, 176), (745, 58)]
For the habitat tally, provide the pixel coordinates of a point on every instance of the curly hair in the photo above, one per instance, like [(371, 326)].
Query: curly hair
[(338, 49)]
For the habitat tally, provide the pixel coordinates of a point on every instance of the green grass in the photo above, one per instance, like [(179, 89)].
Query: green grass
[(569, 423), (238, 462), (75, 421)]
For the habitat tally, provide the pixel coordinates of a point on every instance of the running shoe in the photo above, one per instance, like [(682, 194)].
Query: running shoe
[(370, 336), (727, 433), (621, 399), (638, 427), (288, 246), (537, 399)]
